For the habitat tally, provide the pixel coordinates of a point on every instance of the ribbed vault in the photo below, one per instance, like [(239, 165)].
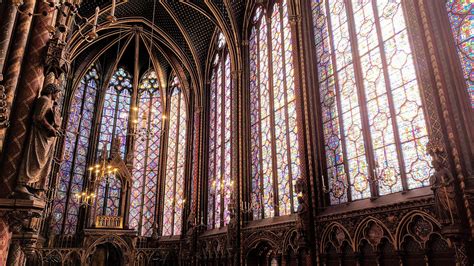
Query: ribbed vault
[(181, 31)]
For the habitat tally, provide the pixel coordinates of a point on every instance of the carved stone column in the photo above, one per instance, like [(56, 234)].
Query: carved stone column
[(10, 79), (195, 189), (14, 254), (125, 194), (5, 238), (8, 19), (31, 85)]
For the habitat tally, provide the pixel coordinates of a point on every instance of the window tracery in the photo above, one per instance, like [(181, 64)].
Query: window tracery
[(115, 113), (375, 132), (143, 196), (275, 160), (461, 16), (175, 162), (66, 206), (219, 177)]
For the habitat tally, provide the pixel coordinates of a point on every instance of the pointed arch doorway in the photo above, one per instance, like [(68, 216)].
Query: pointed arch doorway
[(106, 254)]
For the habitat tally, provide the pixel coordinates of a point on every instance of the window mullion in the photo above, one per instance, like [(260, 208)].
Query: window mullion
[(362, 99), (73, 162), (338, 102), (175, 174), (222, 136), (390, 97), (285, 107), (117, 101), (276, 205), (214, 154), (106, 196), (258, 122), (145, 164)]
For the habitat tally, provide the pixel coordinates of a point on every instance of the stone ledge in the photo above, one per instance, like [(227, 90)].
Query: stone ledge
[(106, 231), (22, 204)]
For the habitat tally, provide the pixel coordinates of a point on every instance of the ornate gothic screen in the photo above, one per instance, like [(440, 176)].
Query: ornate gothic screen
[(275, 161), (373, 121), (461, 16), (220, 183), (175, 162), (115, 113), (143, 199), (73, 168)]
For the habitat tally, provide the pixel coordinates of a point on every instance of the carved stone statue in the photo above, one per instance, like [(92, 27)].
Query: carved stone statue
[(442, 184), (36, 164), (232, 226), (302, 224), (301, 220), (188, 248)]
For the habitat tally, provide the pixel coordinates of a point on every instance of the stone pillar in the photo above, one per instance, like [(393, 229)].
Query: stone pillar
[(14, 254), (461, 253), (196, 163), (125, 195), (12, 73), (8, 19), (31, 84), (5, 237)]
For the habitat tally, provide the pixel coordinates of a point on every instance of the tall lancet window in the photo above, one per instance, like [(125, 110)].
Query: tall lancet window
[(114, 122), (374, 127), (274, 145), (73, 168), (220, 182), (175, 162), (146, 155), (461, 16)]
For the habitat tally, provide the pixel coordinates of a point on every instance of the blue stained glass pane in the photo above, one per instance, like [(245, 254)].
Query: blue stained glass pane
[(76, 145)]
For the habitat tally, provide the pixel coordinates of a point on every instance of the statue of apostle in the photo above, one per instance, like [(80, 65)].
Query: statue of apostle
[(442, 184), (36, 164)]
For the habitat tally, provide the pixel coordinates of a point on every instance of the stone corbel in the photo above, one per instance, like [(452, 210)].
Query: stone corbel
[(22, 216), (232, 228), (302, 220)]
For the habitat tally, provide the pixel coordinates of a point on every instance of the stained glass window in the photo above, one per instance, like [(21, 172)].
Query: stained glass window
[(108, 196), (114, 122), (146, 155), (220, 183), (175, 162), (374, 127), (113, 126), (78, 130), (461, 16), (274, 148)]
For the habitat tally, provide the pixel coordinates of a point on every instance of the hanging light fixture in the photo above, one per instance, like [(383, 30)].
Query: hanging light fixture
[(97, 172)]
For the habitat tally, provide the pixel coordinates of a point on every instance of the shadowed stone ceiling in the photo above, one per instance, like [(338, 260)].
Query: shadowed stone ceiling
[(189, 24)]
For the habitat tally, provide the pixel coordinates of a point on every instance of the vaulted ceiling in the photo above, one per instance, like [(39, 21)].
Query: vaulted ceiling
[(182, 32)]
